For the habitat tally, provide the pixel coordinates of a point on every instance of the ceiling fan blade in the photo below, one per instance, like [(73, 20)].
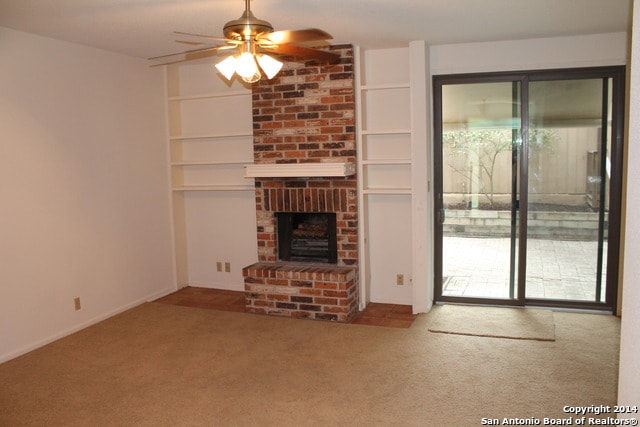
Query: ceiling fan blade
[(201, 36), (191, 43), (188, 55), (297, 36), (202, 49), (303, 52)]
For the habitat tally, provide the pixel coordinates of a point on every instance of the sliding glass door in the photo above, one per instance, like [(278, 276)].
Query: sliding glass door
[(478, 214), (568, 182), (528, 187)]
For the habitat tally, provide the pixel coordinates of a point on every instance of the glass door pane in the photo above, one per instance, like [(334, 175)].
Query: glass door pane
[(480, 151), (568, 179)]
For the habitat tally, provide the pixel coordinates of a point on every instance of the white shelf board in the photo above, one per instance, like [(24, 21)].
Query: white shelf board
[(209, 95), (209, 163), (383, 86), (387, 191), (214, 188), (387, 162), (210, 136), (386, 132)]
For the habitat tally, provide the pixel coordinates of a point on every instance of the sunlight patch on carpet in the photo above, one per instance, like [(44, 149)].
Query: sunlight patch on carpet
[(496, 322)]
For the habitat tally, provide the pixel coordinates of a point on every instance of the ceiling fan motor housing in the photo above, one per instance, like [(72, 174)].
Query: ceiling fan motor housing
[(247, 27)]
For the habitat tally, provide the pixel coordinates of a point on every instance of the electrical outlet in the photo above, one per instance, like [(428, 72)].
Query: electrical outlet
[(400, 279), (76, 303), (227, 267), (219, 266)]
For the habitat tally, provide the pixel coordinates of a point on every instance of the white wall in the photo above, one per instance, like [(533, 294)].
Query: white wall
[(220, 227), (532, 54), (84, 188), (629, 377), (389, 239)]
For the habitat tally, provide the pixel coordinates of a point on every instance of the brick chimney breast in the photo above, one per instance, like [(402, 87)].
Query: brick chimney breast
[(306, 114)]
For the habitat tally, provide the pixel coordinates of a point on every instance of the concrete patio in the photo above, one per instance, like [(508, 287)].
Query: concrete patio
[(556, 269)]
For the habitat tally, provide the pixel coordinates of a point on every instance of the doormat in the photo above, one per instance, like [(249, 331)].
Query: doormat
[(496, 322)]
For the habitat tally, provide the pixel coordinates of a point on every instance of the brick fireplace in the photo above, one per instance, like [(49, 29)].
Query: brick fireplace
[(305, 115)]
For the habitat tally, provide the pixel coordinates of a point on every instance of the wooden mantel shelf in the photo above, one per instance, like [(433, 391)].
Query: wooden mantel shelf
[(299, 170)]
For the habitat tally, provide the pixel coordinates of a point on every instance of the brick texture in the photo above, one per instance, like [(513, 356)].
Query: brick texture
[(301, 290)]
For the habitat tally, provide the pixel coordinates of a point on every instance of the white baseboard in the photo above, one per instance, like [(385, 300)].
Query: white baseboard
[(161, 294), (217, 285), (83, 325)]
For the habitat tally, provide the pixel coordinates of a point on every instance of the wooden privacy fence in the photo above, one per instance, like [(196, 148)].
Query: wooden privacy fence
[(563, 170)]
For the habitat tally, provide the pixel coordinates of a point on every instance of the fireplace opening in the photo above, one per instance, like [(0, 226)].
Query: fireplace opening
[(306, 236)]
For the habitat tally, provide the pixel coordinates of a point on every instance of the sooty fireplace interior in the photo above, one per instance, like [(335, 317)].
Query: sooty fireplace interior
[(306, 236)]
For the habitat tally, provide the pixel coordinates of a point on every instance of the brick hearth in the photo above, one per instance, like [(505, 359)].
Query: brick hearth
[(305, 114), (301, 290)]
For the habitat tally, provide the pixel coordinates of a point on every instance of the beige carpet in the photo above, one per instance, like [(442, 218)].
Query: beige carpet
[(497, 322), (165, 365)]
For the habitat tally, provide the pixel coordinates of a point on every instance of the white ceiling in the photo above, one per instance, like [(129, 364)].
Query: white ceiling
[(143, 28)]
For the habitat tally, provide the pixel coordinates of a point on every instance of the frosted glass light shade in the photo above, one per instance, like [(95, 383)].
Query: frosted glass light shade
[(246, 66), (269, 65), (227, 66)]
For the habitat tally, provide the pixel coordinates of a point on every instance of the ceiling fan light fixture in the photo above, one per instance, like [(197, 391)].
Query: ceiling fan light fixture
[(227, 66), (269, 65), (246, 65)]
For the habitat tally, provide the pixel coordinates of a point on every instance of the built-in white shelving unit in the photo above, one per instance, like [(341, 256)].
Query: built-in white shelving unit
[(384, 131), (391, 148), (210, 142), (210, 130)]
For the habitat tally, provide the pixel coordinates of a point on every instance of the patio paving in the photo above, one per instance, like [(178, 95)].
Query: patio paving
[(556, 269)]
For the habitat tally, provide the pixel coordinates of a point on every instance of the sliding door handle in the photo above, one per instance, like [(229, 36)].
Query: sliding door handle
[(441, 216)]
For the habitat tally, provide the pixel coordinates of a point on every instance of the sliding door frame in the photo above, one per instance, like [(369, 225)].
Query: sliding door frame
[(617, 76), (438, 83), (617, 88)]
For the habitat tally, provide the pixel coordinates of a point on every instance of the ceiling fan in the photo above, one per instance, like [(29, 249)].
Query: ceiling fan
[(250, 39)]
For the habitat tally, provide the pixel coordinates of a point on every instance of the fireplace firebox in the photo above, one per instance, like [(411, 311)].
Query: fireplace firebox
[(307, 236)]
